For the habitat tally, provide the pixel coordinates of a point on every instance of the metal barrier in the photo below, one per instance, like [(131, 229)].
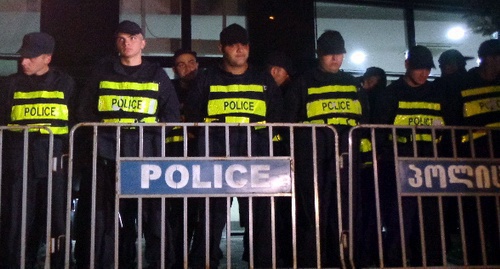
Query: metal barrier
[(433, 201), (255, 163), (28, 193), (312, 198)]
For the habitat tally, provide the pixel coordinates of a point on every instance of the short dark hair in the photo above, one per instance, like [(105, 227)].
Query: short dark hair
[(179, 52)]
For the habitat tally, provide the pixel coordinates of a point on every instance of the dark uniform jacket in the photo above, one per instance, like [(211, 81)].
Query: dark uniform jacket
[(133, 106), (343, 105), (196, 107), (55, 91)]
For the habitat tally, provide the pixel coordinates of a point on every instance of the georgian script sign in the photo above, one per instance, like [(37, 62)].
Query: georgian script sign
[(424, 176), (153, 176)]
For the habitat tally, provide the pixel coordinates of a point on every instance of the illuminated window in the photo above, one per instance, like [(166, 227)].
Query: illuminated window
[(17, 19), (375, 35), (441, 31)]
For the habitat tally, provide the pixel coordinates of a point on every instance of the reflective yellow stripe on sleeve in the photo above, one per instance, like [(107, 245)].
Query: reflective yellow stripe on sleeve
[(39, 112), (365, 145), (478, 134)]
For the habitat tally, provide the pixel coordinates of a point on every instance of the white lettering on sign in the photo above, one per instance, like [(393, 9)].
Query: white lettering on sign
[(235, 176)]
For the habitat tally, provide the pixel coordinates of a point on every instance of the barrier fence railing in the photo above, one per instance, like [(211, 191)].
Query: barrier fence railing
[(425, 196), (309, 196)]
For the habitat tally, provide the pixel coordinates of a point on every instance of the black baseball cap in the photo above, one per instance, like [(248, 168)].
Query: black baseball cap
[(489, 48), (331, 42), (420, 57), (129, 27), (280, 59), (36, 44), (233, 34), (454, 57)]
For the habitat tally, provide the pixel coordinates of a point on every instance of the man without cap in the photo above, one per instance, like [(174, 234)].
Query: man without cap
[(234, 78), (129, 77), (50, 92), (185, 69), (481, 107), (411, 100), (324, 95)]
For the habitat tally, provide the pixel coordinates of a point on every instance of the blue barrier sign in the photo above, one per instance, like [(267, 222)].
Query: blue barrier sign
[(424, 176), (207, 176)]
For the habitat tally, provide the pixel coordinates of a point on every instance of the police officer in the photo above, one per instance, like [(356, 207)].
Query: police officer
[(411, 100), (235, 80), (43, 96), (125, 89), (481, 107), (323, 95)]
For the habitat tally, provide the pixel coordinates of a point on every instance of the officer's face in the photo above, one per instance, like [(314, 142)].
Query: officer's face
[(37, 65), (417, 77), (236, 55), (186, 66), (331, 63), (130, 46)]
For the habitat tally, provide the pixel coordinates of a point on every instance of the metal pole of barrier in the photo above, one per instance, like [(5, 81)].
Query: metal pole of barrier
[(377, 196), (48, 234), (422, 230), (69, 200), (350, 205), (228, 232), (24, 199), (116, 214), (93, 199), (316, 198), (163, 236), (481, 228), (462, 230), (399, 199), (185, 220), (207, 206), (294, 207)]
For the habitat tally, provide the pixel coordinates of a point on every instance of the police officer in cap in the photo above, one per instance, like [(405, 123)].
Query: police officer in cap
[(39, 95), (411, 100), (125, 89), (233, 78), (306, 104)]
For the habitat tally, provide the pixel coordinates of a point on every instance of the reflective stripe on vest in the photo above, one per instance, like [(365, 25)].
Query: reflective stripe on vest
[(335, 121), (237, 88), (236, 105), (365, 145), (131, 120), (481, 106), (478, 134), (418, 137), (39, 112), (332, 88), (135, 86), (427, 120), (54, 129), (328, 106), (128, 104), (29, 110)]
